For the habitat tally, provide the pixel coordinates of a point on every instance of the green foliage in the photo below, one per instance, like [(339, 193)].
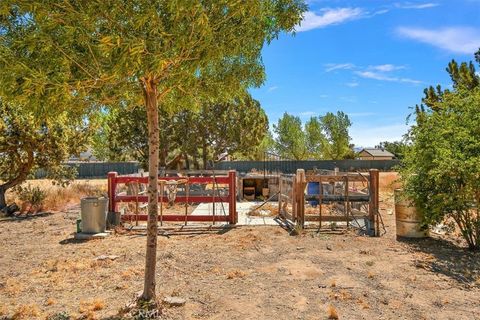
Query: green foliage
[(315, 138), (34, 196), (61, 51), (336, 145), (263, 150), (158, 52), (29, 142), (290, 141), (323, 137), (441, 170), (236, 127), (398, 148)]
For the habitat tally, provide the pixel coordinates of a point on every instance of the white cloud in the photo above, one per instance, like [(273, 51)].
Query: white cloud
[(383, 77), (352, 84), (328, 17), (454, 39), (323, 96), (386, 67), (338, 66), (410, 5), (360, 114), (272, 88)]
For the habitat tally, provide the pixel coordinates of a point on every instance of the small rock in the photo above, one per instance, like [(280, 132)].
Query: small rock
[(300, 248), (105, 257), (174, 301), (329, 247)]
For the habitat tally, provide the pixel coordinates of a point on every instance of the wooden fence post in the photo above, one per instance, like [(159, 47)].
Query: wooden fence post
[(112, 190), (300, 183), (374, 203), (232, 199)]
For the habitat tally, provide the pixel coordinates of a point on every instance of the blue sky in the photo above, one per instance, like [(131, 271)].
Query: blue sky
[(370, 59)]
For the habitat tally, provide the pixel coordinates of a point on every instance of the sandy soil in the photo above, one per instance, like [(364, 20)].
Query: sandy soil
[(240, 273)]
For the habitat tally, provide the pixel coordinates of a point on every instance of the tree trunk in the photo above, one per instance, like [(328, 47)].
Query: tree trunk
[(3, 201), (150, 94), (187, 161), (204, 155)]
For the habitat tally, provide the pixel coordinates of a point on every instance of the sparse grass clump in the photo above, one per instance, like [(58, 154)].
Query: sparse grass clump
[(26, 311), (12, 287), (88, 308), (236, 274), (332, 313)]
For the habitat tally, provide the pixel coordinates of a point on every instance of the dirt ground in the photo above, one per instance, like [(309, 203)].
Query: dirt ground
[(240, 273)]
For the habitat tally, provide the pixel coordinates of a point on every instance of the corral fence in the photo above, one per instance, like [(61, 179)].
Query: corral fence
[(291, 166)]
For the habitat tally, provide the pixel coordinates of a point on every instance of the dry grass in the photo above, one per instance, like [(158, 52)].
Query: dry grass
[(131, 272), (50, 302), (58, 198), (89, 307), (12, 287), (26, 311), (364, 304), (332, 313), (3, 310), (333, 283), (234, 274), (267, 210)]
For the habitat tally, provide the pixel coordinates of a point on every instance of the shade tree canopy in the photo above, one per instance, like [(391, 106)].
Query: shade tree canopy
[(153, 53)]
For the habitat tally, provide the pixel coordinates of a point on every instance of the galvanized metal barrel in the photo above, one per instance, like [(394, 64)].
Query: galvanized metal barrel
[(94, 214), (408, 220)]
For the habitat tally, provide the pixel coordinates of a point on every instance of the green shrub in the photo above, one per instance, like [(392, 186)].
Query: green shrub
[(32, 195)]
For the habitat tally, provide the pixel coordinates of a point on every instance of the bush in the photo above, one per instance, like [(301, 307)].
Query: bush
[(441, 171), (33, 196)]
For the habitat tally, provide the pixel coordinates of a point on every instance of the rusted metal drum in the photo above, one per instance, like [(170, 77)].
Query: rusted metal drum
[(407, 219)]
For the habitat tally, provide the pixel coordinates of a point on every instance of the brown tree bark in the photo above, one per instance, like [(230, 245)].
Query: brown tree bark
[(204, 155), (21, 177), (3, 201), (150, 95)]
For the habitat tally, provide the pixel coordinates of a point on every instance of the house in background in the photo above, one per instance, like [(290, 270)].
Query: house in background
[(375, 154)]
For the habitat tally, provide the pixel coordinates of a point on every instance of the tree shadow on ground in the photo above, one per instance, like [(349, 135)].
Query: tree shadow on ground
[(449, 259), (184, 231), (73, 241), (24, 217)]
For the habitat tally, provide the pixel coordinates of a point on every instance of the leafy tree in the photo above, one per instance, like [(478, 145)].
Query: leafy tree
[(441, 170), (236, 126), (336, 145), (29, 142), (323, 137), (262, 151), (315, 138), (398, 148), (290, 140), (156, 53), (124, 135)]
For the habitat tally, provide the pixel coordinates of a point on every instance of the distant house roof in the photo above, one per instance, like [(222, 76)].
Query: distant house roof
[(378, 152)]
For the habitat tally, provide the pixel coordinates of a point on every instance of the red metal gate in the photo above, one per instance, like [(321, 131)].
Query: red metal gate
[(114, 198)]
